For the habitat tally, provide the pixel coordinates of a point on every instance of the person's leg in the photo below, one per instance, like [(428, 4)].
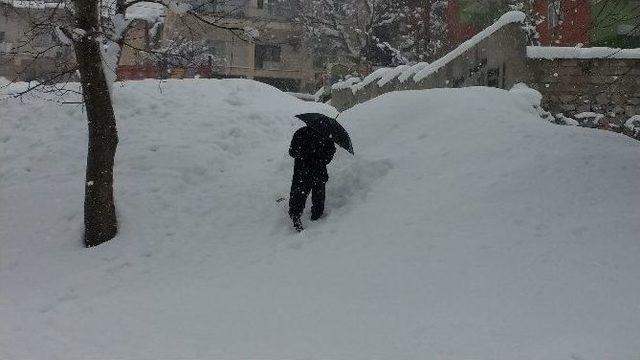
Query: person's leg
[(297, 199), (317, 198)]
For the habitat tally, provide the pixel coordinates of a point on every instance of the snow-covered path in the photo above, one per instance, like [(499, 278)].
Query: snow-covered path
[(465, 227)]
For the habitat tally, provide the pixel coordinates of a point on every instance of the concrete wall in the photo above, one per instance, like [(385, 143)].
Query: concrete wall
[(498, 60), (605, 86)]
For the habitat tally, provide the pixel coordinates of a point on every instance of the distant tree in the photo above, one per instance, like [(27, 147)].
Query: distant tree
[(425, 35), (374, 32), (620, 19)]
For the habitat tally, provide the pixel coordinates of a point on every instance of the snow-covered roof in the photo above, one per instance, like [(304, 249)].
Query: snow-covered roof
[(550, 53)]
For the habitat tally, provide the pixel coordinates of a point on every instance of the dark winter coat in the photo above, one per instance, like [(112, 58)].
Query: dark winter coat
[(312, 153)]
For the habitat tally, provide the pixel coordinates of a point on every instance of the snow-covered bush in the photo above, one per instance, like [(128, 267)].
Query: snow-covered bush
[(561, 119), (590, 119), (632, 126)]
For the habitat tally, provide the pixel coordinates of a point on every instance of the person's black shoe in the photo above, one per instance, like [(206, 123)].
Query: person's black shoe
[(297, 224), (315, 217)]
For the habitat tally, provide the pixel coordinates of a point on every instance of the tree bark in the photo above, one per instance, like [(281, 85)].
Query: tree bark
[(100, 219)]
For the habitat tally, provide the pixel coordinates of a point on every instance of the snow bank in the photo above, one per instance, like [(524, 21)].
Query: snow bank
[(304, 96), (550, 53), (476, 231), (529, 95)]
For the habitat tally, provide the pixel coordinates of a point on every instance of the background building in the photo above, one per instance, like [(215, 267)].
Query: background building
[(270, 49), (29, 49)]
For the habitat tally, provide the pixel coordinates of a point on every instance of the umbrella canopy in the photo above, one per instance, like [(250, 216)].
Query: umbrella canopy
[(329, 127)]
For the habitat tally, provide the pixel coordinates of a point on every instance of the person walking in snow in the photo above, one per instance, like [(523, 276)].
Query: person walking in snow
[(312, 152)]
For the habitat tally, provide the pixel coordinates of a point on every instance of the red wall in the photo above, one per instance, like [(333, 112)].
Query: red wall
[(574, 26), (457, 31), (574, 29)]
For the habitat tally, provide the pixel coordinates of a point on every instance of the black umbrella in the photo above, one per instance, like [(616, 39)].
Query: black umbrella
[(329, 127)]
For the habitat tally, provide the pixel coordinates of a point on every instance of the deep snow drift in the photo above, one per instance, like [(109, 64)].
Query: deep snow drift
[(466, 227)]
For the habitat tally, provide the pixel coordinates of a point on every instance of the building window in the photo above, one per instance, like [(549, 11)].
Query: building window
[(267, 53), (554, 13), (2, 36), (260, 4)]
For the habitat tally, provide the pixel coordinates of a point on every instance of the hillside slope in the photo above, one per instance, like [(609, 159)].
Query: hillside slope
[(464, 227)]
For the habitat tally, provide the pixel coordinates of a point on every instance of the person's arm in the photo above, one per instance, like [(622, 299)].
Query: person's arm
[(330, 151), (295, 149)]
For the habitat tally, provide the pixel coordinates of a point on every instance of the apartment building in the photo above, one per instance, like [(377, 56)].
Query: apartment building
[(276, 56), (28, 52)]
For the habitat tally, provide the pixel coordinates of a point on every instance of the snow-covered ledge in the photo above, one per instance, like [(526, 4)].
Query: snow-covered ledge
[(551, 53)]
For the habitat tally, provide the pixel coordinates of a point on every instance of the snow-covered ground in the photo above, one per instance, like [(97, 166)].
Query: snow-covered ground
[(465, 227)]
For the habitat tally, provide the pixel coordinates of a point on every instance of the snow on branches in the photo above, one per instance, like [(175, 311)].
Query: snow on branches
[(375, 32)]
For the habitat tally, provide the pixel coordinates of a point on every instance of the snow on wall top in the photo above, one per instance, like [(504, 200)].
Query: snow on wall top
[(550, 53), (421, 70), (378, 74), (392, 74), (506, 19), (345, 84), (412, 71)]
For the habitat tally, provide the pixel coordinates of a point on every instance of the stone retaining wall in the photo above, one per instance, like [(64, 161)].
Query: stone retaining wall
[(610, 87)]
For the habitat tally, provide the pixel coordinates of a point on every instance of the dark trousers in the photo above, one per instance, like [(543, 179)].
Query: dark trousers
[(300, 190)]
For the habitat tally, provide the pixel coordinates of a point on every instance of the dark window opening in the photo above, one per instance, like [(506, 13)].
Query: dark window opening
[(267, 53), (493, 77)]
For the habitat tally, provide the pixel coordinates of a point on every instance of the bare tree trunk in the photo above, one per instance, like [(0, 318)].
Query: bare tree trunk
[(99, 208)]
